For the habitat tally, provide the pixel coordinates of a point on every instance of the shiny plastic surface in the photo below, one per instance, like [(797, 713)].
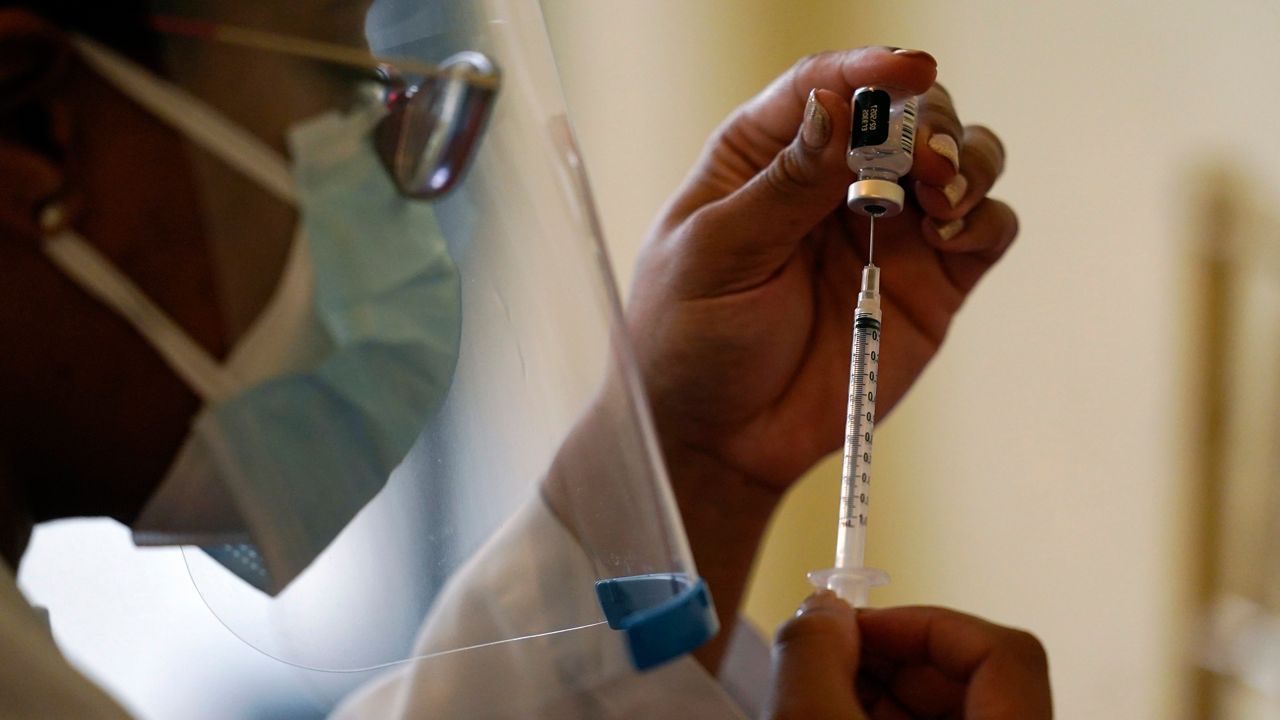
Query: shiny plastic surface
[(396, 482)]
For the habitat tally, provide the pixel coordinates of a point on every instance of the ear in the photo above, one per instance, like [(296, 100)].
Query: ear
[(33, 54), (35, 58)]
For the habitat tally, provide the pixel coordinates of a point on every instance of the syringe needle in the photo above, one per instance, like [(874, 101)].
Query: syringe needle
[(871, 252)]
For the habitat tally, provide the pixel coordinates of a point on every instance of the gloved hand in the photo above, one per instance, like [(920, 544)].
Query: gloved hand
[(907, 662), (742, 303)]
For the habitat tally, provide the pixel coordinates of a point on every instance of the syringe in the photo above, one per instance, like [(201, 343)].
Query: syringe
[(881, 142), (850, 578)]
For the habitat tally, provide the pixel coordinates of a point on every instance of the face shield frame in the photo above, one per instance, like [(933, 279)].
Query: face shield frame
[(436, 114), (428, 139)]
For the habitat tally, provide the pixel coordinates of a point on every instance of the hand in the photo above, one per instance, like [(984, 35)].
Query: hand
[(741, 309), (742, 303), (908, 662)]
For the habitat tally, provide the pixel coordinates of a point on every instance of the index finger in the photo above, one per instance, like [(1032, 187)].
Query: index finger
[(777, 112)]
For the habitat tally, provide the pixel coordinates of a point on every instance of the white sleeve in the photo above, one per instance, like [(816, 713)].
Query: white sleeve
[(531, 581)]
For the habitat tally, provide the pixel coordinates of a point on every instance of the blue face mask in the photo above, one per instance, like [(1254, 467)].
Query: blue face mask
[(327, 391)]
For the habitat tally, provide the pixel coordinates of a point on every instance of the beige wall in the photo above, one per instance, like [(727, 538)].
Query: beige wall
[(1037, 472)]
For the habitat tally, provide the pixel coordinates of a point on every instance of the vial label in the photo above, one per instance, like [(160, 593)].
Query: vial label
[(909, 126), (870, 118)]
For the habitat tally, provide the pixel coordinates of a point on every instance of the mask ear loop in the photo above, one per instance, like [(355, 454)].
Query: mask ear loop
[(470, 79), (194, 118), (89, 269), (305, 48)]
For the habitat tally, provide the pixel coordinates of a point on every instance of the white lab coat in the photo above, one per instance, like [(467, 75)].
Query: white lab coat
[(531, 578)]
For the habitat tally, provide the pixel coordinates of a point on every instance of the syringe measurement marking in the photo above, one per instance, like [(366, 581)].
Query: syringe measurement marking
[(860, 423)]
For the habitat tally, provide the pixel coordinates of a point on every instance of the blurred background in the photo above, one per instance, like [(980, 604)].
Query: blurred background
[(1093, 454)]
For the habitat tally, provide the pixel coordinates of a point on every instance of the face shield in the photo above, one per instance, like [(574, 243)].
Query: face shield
[(428, 401)]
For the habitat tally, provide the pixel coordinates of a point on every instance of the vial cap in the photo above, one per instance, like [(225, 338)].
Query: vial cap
[(881, 198)]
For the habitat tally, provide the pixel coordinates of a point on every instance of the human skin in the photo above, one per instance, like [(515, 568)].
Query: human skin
[(830, 662), (742, 302), (90, 416), (739, 313)]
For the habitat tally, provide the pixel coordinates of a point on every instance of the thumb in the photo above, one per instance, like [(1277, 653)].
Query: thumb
[(745, 237), (815, 661)]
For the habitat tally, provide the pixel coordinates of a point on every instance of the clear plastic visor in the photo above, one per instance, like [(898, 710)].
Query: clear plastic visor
[(430, 437)]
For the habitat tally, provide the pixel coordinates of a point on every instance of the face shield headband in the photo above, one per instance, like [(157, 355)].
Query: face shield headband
[(436, 114)]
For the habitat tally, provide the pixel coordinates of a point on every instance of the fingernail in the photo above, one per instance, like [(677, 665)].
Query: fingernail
[(949, 230), (819, 599), (945, 145), (815, 131), (910, 51), (955, 189)]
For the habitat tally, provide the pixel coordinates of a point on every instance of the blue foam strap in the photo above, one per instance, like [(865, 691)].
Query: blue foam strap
[(664, 615)]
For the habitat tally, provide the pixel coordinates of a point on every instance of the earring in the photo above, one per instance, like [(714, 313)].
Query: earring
[(52, 217)]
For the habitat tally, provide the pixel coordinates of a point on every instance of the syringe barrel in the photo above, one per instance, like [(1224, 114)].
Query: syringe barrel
[(855, 485)]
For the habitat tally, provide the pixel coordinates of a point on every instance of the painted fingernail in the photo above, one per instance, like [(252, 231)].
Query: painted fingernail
[(910, 51), (815, 131), (945, 145), (955, 189), (949, 230)]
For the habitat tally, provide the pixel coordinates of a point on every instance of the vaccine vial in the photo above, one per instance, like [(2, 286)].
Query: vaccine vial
[(880, 149)]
